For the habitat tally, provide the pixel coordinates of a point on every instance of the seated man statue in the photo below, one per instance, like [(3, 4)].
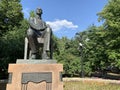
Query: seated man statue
[(38, 28)]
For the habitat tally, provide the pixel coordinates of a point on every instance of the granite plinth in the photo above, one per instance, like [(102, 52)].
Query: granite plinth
[(36, 61)]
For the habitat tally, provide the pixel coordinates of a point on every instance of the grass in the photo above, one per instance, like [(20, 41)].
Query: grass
[(90, 85), (85, 84)]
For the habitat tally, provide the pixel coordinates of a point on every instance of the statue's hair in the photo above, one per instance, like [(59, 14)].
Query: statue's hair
[(39, 9)]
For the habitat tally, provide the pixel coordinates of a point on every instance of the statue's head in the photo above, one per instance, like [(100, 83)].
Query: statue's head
[(38, 11)]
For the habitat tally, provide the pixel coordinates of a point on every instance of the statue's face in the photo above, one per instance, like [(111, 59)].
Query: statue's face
[(39, 11)]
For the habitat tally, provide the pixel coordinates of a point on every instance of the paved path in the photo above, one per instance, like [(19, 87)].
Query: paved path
[(93, 79)]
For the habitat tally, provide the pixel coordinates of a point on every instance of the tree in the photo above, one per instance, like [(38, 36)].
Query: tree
[(12, 31), (94, 46), (10, 15), (66, 53), (102, 46), (12, 46), (111, 17), (32, 14)]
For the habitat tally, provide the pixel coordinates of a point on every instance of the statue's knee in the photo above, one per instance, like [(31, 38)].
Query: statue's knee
[(48, 30)]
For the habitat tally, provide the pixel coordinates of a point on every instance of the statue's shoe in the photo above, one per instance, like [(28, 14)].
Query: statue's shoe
[(33, 56), (45, 56)]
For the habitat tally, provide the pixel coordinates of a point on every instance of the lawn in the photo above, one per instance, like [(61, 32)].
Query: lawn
[(90, 85)]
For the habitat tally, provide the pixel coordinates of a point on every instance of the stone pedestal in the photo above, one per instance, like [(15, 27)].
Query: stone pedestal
[(35, 76)]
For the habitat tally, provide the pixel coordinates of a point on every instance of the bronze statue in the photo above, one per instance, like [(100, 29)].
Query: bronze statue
[(38, 28)]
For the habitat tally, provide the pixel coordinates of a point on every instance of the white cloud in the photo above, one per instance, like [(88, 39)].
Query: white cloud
[(60, 24)]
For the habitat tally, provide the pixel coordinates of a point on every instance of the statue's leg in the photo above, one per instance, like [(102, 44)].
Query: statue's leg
[(51, 47), (47, 39), (46, 47), (33, 43)]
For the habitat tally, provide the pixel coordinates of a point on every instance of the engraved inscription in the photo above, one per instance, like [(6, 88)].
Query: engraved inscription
[(36, 77)]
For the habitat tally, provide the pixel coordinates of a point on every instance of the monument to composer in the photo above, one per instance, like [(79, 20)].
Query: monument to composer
[(38, 28), (34, 73)]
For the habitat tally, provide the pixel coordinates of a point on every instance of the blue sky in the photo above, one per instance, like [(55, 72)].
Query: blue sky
[(66, 17)]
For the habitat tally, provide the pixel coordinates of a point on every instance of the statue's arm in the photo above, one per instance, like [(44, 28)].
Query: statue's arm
[(32, 24), (36, 25), (44, 26)]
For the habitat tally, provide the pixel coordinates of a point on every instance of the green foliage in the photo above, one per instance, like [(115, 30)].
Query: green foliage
[(12, 28), (102, 43), (32, 14), (67, 54), (10, 15), (12, 46), (111, 15)]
